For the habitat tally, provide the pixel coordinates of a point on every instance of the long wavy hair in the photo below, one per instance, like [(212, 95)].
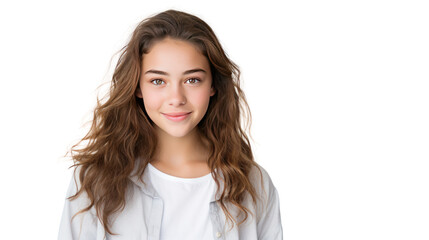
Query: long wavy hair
[(121, 131)]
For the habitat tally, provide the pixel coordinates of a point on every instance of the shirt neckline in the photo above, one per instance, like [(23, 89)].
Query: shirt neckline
[(169, 177)]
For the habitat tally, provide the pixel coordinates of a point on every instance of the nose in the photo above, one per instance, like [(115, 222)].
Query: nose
[(176, 95)]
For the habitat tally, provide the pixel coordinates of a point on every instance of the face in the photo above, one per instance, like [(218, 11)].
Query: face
[(176, 80)]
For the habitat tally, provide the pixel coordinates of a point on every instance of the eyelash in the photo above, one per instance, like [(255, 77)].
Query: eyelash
[(152, 81)]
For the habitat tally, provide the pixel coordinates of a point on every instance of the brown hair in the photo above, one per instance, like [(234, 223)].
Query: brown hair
[(121, 130)]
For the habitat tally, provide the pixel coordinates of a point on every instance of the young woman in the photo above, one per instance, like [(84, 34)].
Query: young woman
[(166, 157)]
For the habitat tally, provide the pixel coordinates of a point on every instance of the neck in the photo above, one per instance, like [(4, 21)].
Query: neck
[(180, 151)]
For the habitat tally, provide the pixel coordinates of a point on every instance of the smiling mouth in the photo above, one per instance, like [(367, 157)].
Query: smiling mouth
[(177, 114), (177, 117)]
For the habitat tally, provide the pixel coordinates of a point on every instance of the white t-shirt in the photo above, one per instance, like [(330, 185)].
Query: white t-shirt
[(186, 205)]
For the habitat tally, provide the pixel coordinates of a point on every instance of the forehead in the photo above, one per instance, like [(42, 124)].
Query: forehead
[(171, 54)]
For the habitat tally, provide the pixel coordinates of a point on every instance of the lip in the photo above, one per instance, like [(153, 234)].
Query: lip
[(177, 117), (176, 114)]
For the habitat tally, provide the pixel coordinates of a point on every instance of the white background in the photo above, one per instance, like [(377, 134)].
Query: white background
[(338, 92)]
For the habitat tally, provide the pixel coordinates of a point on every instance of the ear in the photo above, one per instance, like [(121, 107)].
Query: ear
[(138, 92), (212, 91)]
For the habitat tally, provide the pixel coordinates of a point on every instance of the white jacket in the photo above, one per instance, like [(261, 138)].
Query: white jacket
[(141, 218)]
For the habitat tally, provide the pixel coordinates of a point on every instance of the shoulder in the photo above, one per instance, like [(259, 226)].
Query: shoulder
[(73, 221), (75, 183), (264, 188), (260, 178), (82, 200)]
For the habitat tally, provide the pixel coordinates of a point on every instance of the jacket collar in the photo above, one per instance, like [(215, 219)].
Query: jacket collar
[(147, 187)]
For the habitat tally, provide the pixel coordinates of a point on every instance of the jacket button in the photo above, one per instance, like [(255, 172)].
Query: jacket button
[(218, 234)]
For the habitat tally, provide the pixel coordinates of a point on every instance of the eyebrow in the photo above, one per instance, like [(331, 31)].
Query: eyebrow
[(184, 73)]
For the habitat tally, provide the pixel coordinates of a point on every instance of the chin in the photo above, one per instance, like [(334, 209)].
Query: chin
[(178, 133)]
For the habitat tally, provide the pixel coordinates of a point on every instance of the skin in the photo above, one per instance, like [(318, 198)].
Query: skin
[(180, 151)]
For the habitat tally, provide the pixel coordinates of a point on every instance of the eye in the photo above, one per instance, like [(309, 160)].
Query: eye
[(194, 80), (155, 81)]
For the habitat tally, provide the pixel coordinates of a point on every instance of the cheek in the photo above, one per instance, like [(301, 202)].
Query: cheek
[(201, 98), (151, 100)]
